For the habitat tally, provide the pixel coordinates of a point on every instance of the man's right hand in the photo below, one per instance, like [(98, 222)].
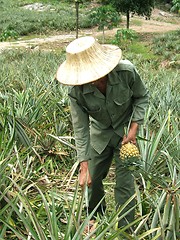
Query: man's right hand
[(84, 175)]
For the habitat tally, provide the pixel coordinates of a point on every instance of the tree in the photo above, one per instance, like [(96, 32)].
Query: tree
[(141, 7), (105, 17), (77, 2), (176, 6)]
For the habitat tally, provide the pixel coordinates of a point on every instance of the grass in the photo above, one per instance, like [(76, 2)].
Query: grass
[(39, 194), (142, 51), (136, 22)]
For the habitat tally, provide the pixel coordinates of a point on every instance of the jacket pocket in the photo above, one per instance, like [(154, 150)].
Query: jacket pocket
[(99, 116), (93, 112), (123, 102)]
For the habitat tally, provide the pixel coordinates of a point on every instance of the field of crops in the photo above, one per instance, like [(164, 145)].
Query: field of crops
[(39, 193)]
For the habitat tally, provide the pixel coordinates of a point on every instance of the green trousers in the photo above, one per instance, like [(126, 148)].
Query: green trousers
[(124, 187)]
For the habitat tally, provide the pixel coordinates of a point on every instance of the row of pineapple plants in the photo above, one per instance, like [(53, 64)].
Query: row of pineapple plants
[(39, 193)]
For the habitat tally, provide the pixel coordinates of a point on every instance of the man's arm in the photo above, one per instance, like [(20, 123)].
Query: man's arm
[(80, 120), (140, 98), (140, 103)]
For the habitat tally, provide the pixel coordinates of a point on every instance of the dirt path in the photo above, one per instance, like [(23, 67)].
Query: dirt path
[(159, 22)]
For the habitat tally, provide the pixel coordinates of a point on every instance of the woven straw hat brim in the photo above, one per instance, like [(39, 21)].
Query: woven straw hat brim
[(89, 66)]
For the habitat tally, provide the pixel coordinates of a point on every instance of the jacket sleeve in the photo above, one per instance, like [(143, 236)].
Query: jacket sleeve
[(140, 98), (80, 121)]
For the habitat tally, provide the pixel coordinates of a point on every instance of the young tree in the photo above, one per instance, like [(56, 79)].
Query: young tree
[(140, 7), (105, 17), (176, 6)]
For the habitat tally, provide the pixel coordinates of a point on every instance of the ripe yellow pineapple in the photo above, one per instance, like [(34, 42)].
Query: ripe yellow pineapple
[(129, 150)]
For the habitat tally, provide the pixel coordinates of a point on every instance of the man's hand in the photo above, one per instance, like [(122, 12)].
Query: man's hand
[(84, 176), (131, 136)]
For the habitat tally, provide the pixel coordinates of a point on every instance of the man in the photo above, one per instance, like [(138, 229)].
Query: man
[(106, 96)]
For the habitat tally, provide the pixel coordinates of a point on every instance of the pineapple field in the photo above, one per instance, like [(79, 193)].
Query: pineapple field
[(40, 198)]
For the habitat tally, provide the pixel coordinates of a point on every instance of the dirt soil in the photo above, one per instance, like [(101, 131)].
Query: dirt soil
[(160, 22)]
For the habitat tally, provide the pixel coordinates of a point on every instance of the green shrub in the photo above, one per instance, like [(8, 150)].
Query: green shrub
[(124, 37), (8, 35)]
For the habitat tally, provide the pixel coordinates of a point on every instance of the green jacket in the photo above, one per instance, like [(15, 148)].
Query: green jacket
[(96, 117)]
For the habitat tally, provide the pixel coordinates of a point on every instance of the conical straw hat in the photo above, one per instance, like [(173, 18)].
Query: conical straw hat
[(87, 61)]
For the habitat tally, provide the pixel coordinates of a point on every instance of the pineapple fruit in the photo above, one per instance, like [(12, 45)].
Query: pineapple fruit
[(129, 150), (130, 156)]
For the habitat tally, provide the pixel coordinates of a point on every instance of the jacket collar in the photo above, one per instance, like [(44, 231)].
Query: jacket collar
[(88, 88), (113, 79)]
